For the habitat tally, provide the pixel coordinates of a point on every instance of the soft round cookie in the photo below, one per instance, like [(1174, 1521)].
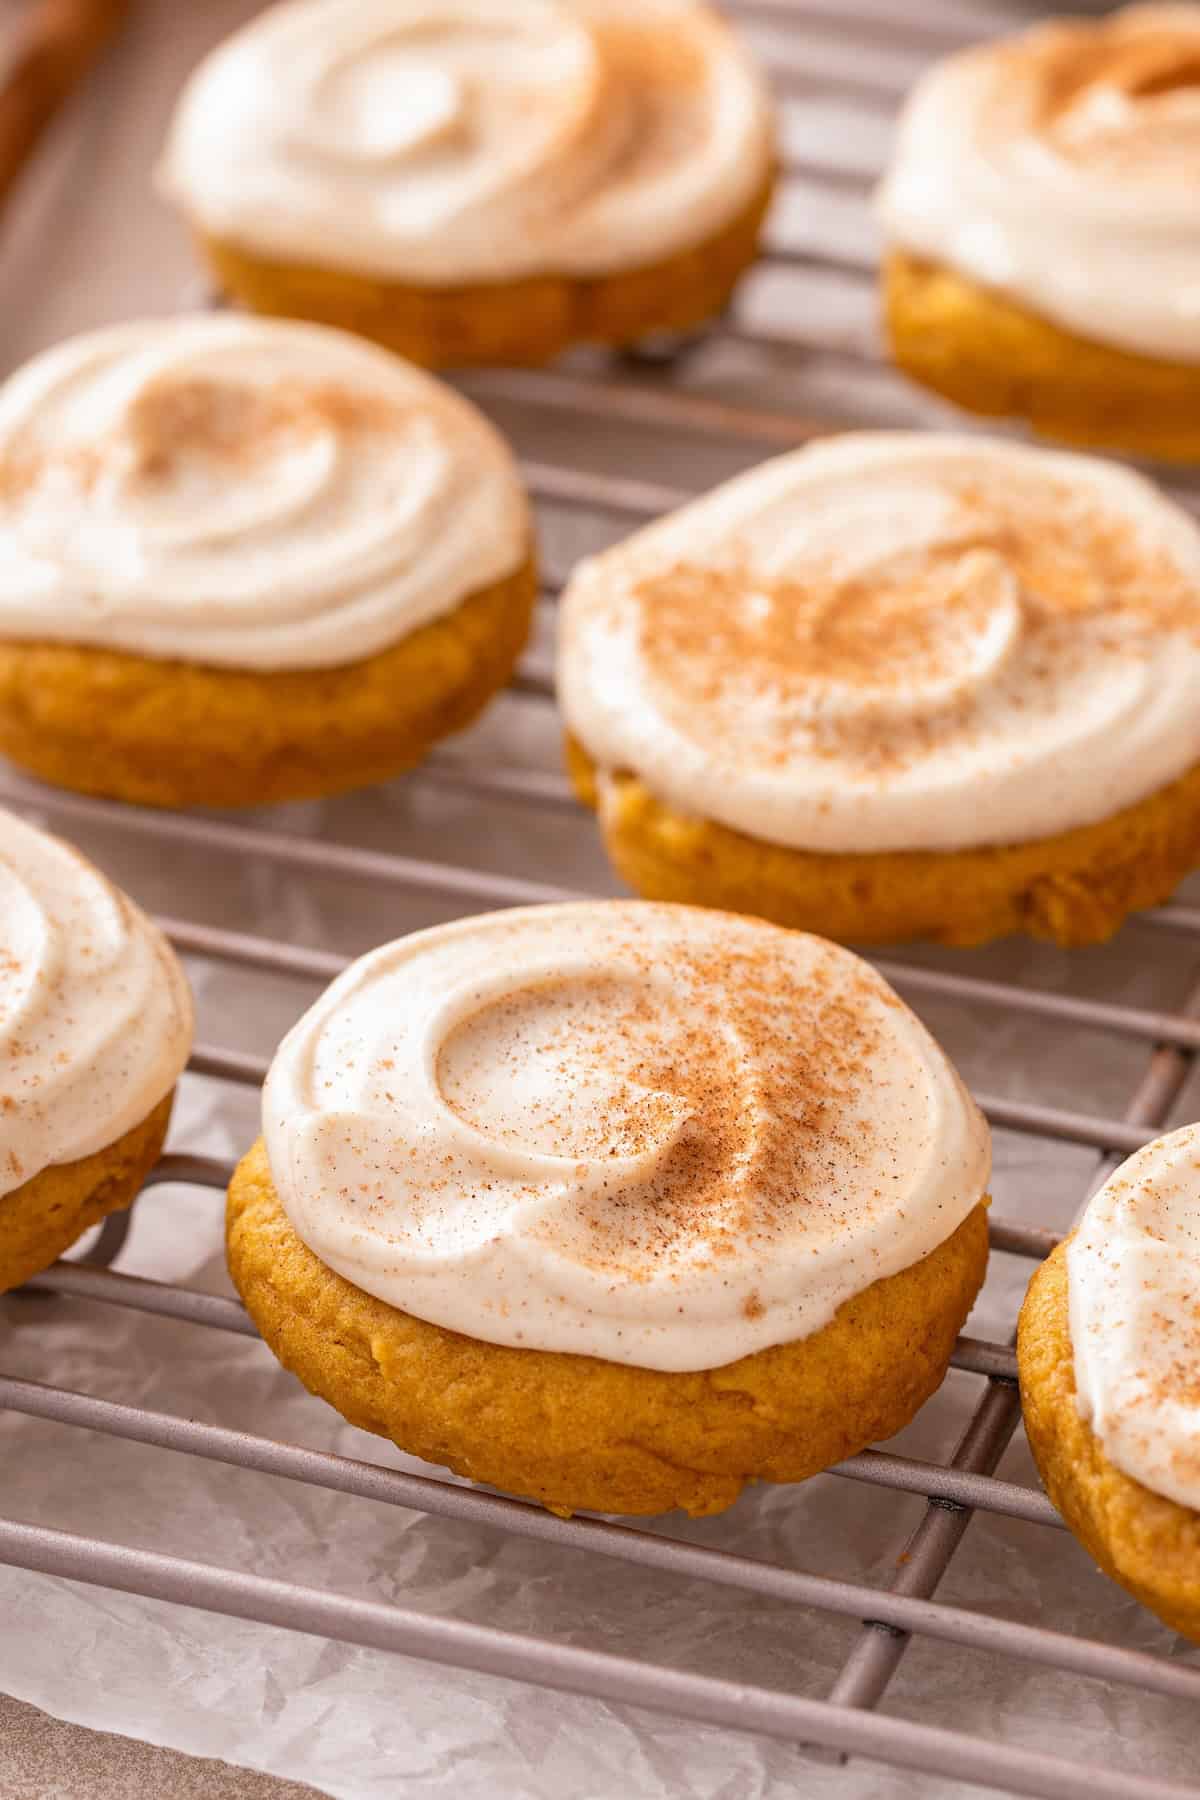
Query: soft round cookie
[(992, 356), (95, 1028), (1109, 1358), (1074, 888), (1040, 221), (894, 686), (47, 1214), (613, 1205), (245, 561), (473, 183)]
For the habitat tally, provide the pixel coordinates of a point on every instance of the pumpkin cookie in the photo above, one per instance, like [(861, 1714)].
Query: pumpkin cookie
[(1109, 1355), (95, 1028), (1042, 243), (613, 1205), (247, 561), (897, 685), (478, 186)]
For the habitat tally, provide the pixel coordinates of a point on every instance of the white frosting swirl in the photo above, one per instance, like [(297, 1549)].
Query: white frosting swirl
[(244, 492), (1133, 1273), (95, 1013), (1061, 168), (655, 1134), (896, 642), (442, 141)]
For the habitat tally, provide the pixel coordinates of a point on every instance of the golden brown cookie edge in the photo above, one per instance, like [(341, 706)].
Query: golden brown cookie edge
[(579, 1433)]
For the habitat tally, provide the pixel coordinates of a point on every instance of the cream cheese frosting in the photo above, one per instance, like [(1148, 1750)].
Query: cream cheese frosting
[(1133, 1276), (244, 492), (444, 141), (655, 1134), (95, 1012), (896, 641), (1061, 168)]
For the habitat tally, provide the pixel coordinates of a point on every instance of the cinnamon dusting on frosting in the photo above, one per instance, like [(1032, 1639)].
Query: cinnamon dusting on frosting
[(907, 628), (657, 1134), (22, 469), (1140, 52), (893, 619), (1121, 96), (235, 421), (232, 422), (1060, 168), (244, 492), (742, 1134), (910, 613), (432, 145), (1118, 95), (657, 79)]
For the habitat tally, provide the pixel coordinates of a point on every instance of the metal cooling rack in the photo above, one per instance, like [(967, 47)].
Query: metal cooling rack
[(819, 272)]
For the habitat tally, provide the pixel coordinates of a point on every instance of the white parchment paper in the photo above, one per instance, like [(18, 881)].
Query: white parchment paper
[(90, 244)]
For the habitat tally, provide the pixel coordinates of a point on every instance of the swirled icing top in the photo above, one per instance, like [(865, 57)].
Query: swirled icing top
[(1061, 167), (244, 492), (95, 1013), (442, 141), (896, 642), (654, 1134), (1133, 1282)]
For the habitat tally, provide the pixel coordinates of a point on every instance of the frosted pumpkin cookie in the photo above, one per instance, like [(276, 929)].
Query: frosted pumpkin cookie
[(894, 686), (1043, 243), (95, 1028), (478, 182), (1109, 1356), (245, 561), (613, 1205)]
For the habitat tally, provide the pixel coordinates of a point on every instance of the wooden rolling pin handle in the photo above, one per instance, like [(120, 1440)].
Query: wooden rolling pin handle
[(49, 50)]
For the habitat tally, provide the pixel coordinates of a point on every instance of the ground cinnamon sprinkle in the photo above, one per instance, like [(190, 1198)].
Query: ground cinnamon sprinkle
[(863, 633), (1067, 64), (648, 114), (238, 423), (653, 54), (741, 1082), (876, 671), (21, 469), (1064, 69)]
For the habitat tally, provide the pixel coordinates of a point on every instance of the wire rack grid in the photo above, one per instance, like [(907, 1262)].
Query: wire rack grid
[(802, 334)]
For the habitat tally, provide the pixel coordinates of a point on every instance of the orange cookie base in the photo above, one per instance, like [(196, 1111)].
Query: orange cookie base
[(1148, 1545), (47, 1214), (576, 1432), (991, 356), (528, 321), (181, 734), (1073, 889)]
